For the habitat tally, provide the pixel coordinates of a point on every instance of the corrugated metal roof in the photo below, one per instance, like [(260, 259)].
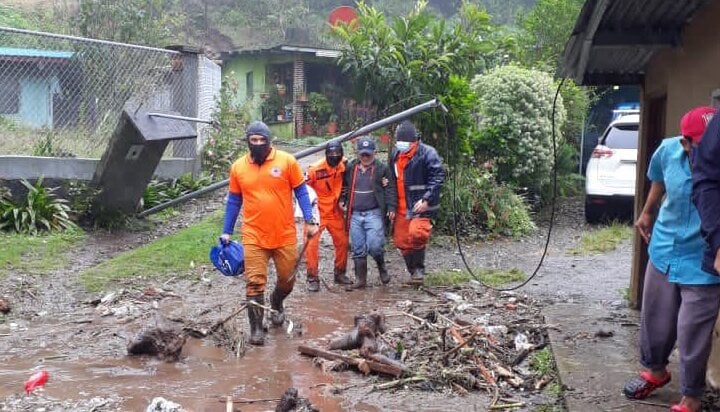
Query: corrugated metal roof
[(613, 40), (283, 48), (34, 53)]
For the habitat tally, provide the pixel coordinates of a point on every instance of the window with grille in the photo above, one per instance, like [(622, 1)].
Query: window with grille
[(10, 97), (249, 85)]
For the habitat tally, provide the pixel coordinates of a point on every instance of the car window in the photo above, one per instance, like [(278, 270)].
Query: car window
[(622, 136)]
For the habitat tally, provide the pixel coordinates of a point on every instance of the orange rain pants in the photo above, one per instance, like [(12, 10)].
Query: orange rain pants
[(336, 228), (411, 234), (326, 180), (256, 268)]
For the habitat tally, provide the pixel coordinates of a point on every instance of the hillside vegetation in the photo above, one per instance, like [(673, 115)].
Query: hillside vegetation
[(217, 24)]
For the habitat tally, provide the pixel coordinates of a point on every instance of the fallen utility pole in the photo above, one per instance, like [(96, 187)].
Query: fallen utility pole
[(431, 104)]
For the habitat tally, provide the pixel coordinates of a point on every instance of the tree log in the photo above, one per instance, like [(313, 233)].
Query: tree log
[(372, 365)]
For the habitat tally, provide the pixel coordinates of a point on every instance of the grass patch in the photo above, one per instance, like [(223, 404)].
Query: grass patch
[(36, 254), (542, 362), (625, 293), (491, 277), (171, 254), (603, 240)]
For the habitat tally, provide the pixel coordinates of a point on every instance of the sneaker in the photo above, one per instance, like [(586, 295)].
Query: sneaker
[(641, 386)]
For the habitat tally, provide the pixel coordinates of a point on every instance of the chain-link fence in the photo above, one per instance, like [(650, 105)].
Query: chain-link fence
[(61, 96)]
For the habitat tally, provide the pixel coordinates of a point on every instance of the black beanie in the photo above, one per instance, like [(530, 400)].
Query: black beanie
[(406, 132), (258, 128)]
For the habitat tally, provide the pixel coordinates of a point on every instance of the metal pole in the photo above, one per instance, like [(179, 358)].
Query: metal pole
[(87, 40), (306, 152), (582, 145), (175, 117)]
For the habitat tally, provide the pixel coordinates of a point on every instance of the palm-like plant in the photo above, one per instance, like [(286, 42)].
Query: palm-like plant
[(40, 210)]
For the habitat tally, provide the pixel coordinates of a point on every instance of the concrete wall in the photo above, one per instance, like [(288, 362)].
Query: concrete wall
[(33, 167), (688, 76)]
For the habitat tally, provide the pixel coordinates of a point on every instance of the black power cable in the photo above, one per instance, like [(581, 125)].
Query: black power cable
[(552, 206), (454, 193)]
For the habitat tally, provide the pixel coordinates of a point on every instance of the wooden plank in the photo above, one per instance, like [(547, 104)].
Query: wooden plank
[(652, 131)]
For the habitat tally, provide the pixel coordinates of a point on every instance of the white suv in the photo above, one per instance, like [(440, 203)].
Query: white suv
[(610, 174)]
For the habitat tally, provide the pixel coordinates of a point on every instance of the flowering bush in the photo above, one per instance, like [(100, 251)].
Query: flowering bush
[(516, 105)]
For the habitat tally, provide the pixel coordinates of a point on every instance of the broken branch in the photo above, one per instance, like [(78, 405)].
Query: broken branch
[(358, 363), (460, 346), (399, 382)]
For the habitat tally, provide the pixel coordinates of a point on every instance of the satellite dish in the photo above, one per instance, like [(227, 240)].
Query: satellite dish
[(342, 14)]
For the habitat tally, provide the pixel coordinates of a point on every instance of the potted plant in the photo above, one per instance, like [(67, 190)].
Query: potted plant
[(319, 108), (332, 126), (272, 107)]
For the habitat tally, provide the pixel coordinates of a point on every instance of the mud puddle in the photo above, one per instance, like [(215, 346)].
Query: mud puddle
[(88, 360), (85, 352)]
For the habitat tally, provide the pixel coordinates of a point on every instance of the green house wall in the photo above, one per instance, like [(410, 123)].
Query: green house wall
[(238, 68)]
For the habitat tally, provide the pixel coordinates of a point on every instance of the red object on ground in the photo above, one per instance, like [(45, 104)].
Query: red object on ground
[(37, 380), (345, 14)]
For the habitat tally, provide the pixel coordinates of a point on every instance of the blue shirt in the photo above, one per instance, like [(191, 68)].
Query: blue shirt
[(676, 246)]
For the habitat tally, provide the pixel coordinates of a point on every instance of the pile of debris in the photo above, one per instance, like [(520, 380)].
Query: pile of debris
[(42, 402), (459, 339)]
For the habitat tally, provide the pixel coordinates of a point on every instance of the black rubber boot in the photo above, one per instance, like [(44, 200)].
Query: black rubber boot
[(277, 317), (255, 317), (410, 262), (419, 261), (384, 275), (313, 282), (360, 274), (341, 278)]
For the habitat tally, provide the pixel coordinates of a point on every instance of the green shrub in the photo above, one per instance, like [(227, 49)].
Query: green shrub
[(158, 192), (40, 210), (225, 143), (516, 106), (319, 108), (483, 206)]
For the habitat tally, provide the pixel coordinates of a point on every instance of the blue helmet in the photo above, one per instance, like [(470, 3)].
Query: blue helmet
[(228, 258)]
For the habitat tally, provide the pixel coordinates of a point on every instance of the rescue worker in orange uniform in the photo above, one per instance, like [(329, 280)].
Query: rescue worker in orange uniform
[(326, 178), (419, 175), (262, 182)]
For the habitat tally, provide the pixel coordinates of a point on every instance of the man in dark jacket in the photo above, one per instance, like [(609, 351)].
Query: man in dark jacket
[(705, 161), (419, 175), (369, 195)]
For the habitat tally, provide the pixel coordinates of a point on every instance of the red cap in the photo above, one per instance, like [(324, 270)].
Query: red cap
[(695, 121)]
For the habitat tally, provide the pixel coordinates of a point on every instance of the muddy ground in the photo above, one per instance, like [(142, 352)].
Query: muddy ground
[(57, 326)]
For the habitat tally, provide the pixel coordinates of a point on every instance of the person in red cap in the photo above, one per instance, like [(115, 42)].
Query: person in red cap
[(680, 299)]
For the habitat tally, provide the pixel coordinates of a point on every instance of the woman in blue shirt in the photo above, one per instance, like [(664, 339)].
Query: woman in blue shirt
[(680, 300)]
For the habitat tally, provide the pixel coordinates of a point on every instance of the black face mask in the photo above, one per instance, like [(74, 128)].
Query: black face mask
[(333, 161), (259, 152)]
